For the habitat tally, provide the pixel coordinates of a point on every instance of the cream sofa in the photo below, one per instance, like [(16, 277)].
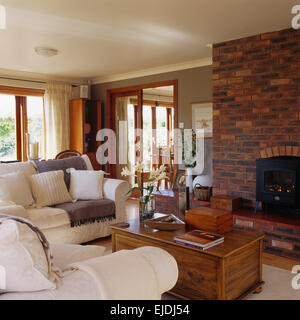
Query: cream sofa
[(55, 223), (140, 274)]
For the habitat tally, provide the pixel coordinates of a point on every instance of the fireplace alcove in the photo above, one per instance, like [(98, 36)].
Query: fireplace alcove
[(277, 183), (278, 189)]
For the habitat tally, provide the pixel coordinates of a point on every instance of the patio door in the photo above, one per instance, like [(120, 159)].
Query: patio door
[(143, 120), (127, 123)]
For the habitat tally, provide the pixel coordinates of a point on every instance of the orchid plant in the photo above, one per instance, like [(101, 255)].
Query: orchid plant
[(154, 177)]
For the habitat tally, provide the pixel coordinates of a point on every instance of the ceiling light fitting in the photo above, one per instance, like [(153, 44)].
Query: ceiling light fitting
[(46, 52)]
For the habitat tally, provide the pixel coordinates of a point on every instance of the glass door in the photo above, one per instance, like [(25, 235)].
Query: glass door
[(158, 125), (128, 125), (143, 121)]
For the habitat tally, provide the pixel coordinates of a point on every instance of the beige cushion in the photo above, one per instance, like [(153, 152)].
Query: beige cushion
[(49, 188), (13, 210), (86, 185), (15, 187), (23, 257), (27, 168), (48, 217)]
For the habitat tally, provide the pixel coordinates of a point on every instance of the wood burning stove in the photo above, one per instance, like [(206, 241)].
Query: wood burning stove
[(277, 182)]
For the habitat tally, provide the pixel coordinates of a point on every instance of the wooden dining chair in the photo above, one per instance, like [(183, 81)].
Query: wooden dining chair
[(67, 154), (167, 159)]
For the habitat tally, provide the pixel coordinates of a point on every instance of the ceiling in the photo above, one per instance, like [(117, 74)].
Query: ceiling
[(99, 38)]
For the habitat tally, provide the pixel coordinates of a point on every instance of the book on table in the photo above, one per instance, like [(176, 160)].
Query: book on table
[(199, 239)]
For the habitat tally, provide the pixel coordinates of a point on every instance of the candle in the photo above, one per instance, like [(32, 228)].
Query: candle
[(34, 150)]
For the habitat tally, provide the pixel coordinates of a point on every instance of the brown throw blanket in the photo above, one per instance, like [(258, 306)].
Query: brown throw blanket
[(88, 211)]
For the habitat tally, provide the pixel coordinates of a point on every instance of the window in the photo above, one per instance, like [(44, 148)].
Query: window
[(35, 120), (21, 124), (8, 150)]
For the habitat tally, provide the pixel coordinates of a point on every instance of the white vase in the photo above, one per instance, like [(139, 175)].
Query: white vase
[(189, 179), (203, 180)]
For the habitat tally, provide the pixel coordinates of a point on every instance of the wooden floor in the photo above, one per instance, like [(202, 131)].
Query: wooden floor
[(269, 259)]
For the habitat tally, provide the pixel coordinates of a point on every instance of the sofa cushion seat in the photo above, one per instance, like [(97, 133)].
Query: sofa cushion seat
[(47, 217), (88, 211)]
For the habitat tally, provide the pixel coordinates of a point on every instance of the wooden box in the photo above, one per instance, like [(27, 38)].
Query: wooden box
[(209, 219), (226, 202), (231, 270)]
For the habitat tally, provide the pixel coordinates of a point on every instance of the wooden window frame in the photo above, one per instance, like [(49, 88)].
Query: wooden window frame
[(21, 95)]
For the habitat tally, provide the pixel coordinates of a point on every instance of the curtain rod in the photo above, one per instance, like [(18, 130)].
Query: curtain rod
[(34, 81)]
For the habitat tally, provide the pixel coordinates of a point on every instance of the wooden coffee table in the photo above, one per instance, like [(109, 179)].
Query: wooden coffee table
[(231, 270)]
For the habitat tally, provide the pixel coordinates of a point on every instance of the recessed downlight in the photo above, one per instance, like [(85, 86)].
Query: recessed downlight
[(46, 52)]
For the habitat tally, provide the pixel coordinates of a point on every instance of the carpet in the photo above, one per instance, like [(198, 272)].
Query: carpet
[(277, 284)]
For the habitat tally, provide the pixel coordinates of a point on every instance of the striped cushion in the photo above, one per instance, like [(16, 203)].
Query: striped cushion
[(49, 188)]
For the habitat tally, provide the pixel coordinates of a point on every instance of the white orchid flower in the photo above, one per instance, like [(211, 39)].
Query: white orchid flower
[(139, 167), (161, 177), (125, 172), (152, 174), (162, 168)]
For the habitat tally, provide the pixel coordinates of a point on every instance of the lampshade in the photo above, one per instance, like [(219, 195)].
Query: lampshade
[(2, 17)]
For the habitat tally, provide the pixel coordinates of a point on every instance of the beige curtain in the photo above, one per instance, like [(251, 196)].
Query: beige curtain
[(57, 97), (122, 135)]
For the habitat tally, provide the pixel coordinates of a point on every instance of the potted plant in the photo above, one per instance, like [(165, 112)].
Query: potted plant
[(146, 200)]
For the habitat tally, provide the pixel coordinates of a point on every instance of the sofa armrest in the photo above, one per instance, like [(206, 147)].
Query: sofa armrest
[(144, 273), (140, 274), (117, 190), (114, 189), (9, 208)]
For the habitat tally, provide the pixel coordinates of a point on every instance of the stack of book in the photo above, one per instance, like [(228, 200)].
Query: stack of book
[(199, 239)]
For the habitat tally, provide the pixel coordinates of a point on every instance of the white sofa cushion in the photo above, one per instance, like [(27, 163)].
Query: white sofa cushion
[(65, 254), (49, 188), (13, 210), (24, 259), (27, 168), (47, 217), (86, 185), (15, 187)]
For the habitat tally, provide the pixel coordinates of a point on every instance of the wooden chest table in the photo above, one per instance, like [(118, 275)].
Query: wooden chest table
[(231, 270)]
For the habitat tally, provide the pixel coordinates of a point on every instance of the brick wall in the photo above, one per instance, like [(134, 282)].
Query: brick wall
[(256, 98), (280, 240)]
